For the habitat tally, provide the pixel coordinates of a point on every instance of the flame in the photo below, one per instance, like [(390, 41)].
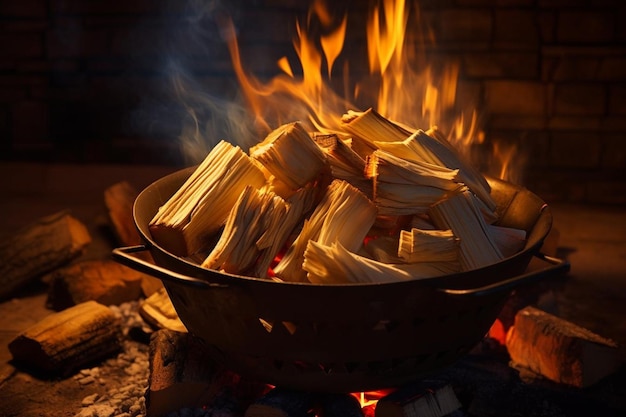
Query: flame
[(402, 84)]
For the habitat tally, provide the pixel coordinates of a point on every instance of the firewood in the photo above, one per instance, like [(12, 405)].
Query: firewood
[(200, 206), (372, 127), (256, 229), (46, 244), (65, 341), (381, 133), (402, 187), (104, 281), (290, 155), (119, 199), (344, 215), (508, 239), (460, 213), (345, 163), (382, 249), (184, 375), (333, 264), (560, 350), (419, 245), (281, 402), (421, 146), (158, 311), (433, 398)]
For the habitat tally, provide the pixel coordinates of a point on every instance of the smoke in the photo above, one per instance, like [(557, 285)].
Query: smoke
[(208, 119), (193, 98)]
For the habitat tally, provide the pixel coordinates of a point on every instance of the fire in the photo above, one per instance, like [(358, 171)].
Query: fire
[(401, 84)]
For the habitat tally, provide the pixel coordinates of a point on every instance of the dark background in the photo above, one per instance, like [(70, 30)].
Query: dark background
[(90, 81)]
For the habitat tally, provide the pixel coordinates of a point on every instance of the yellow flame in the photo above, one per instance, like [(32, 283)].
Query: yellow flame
[(402, 84)]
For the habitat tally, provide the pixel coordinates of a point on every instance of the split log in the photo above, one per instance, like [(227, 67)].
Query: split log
[(560, 350), (158, 311), (65, 341), (184, 375), (424, 398), (46, 244), (106, 282)]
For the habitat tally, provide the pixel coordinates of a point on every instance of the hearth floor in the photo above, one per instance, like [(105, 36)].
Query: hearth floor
[(593, 294)]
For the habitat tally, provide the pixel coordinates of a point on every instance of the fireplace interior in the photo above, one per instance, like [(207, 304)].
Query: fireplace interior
[(89, 109)]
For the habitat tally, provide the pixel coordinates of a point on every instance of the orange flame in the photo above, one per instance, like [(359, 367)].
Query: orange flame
[(401, 84)]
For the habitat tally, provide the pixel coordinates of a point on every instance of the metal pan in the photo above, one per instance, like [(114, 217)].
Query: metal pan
[(342, 338)]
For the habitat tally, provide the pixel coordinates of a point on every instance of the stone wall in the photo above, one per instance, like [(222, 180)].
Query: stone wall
[(91, 81)]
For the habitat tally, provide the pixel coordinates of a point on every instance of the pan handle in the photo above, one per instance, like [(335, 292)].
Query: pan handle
[(123, 256), (557, 266)]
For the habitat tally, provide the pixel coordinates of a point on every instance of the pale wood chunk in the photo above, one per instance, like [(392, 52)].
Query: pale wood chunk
[(48, 243), (158, 311), (65, 341), (560, 350), (104, 281), (184, 375)]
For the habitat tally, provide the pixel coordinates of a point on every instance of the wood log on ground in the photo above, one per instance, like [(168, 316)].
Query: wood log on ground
[(560, 350), (104, 281), (48, 243), (184, 375), (158, 311), (119, 199), (65, 341)]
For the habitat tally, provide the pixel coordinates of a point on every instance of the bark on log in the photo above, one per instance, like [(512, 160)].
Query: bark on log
[(119, 199), (48, 243), (560, 350), (65, 341), (184, 375), (106, 282)]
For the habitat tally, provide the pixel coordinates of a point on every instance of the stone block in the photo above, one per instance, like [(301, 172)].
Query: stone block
[(617, 99), (585, 26), (465, 25), (511, 64), (30, 120), (579, 99), (613, 68), (580, 150), (614, 151), (516, 97), (516, 26), (23, 9), (569, 68), (20, 45)]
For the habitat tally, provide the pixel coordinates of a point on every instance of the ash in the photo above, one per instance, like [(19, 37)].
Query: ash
[(128, 372)]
